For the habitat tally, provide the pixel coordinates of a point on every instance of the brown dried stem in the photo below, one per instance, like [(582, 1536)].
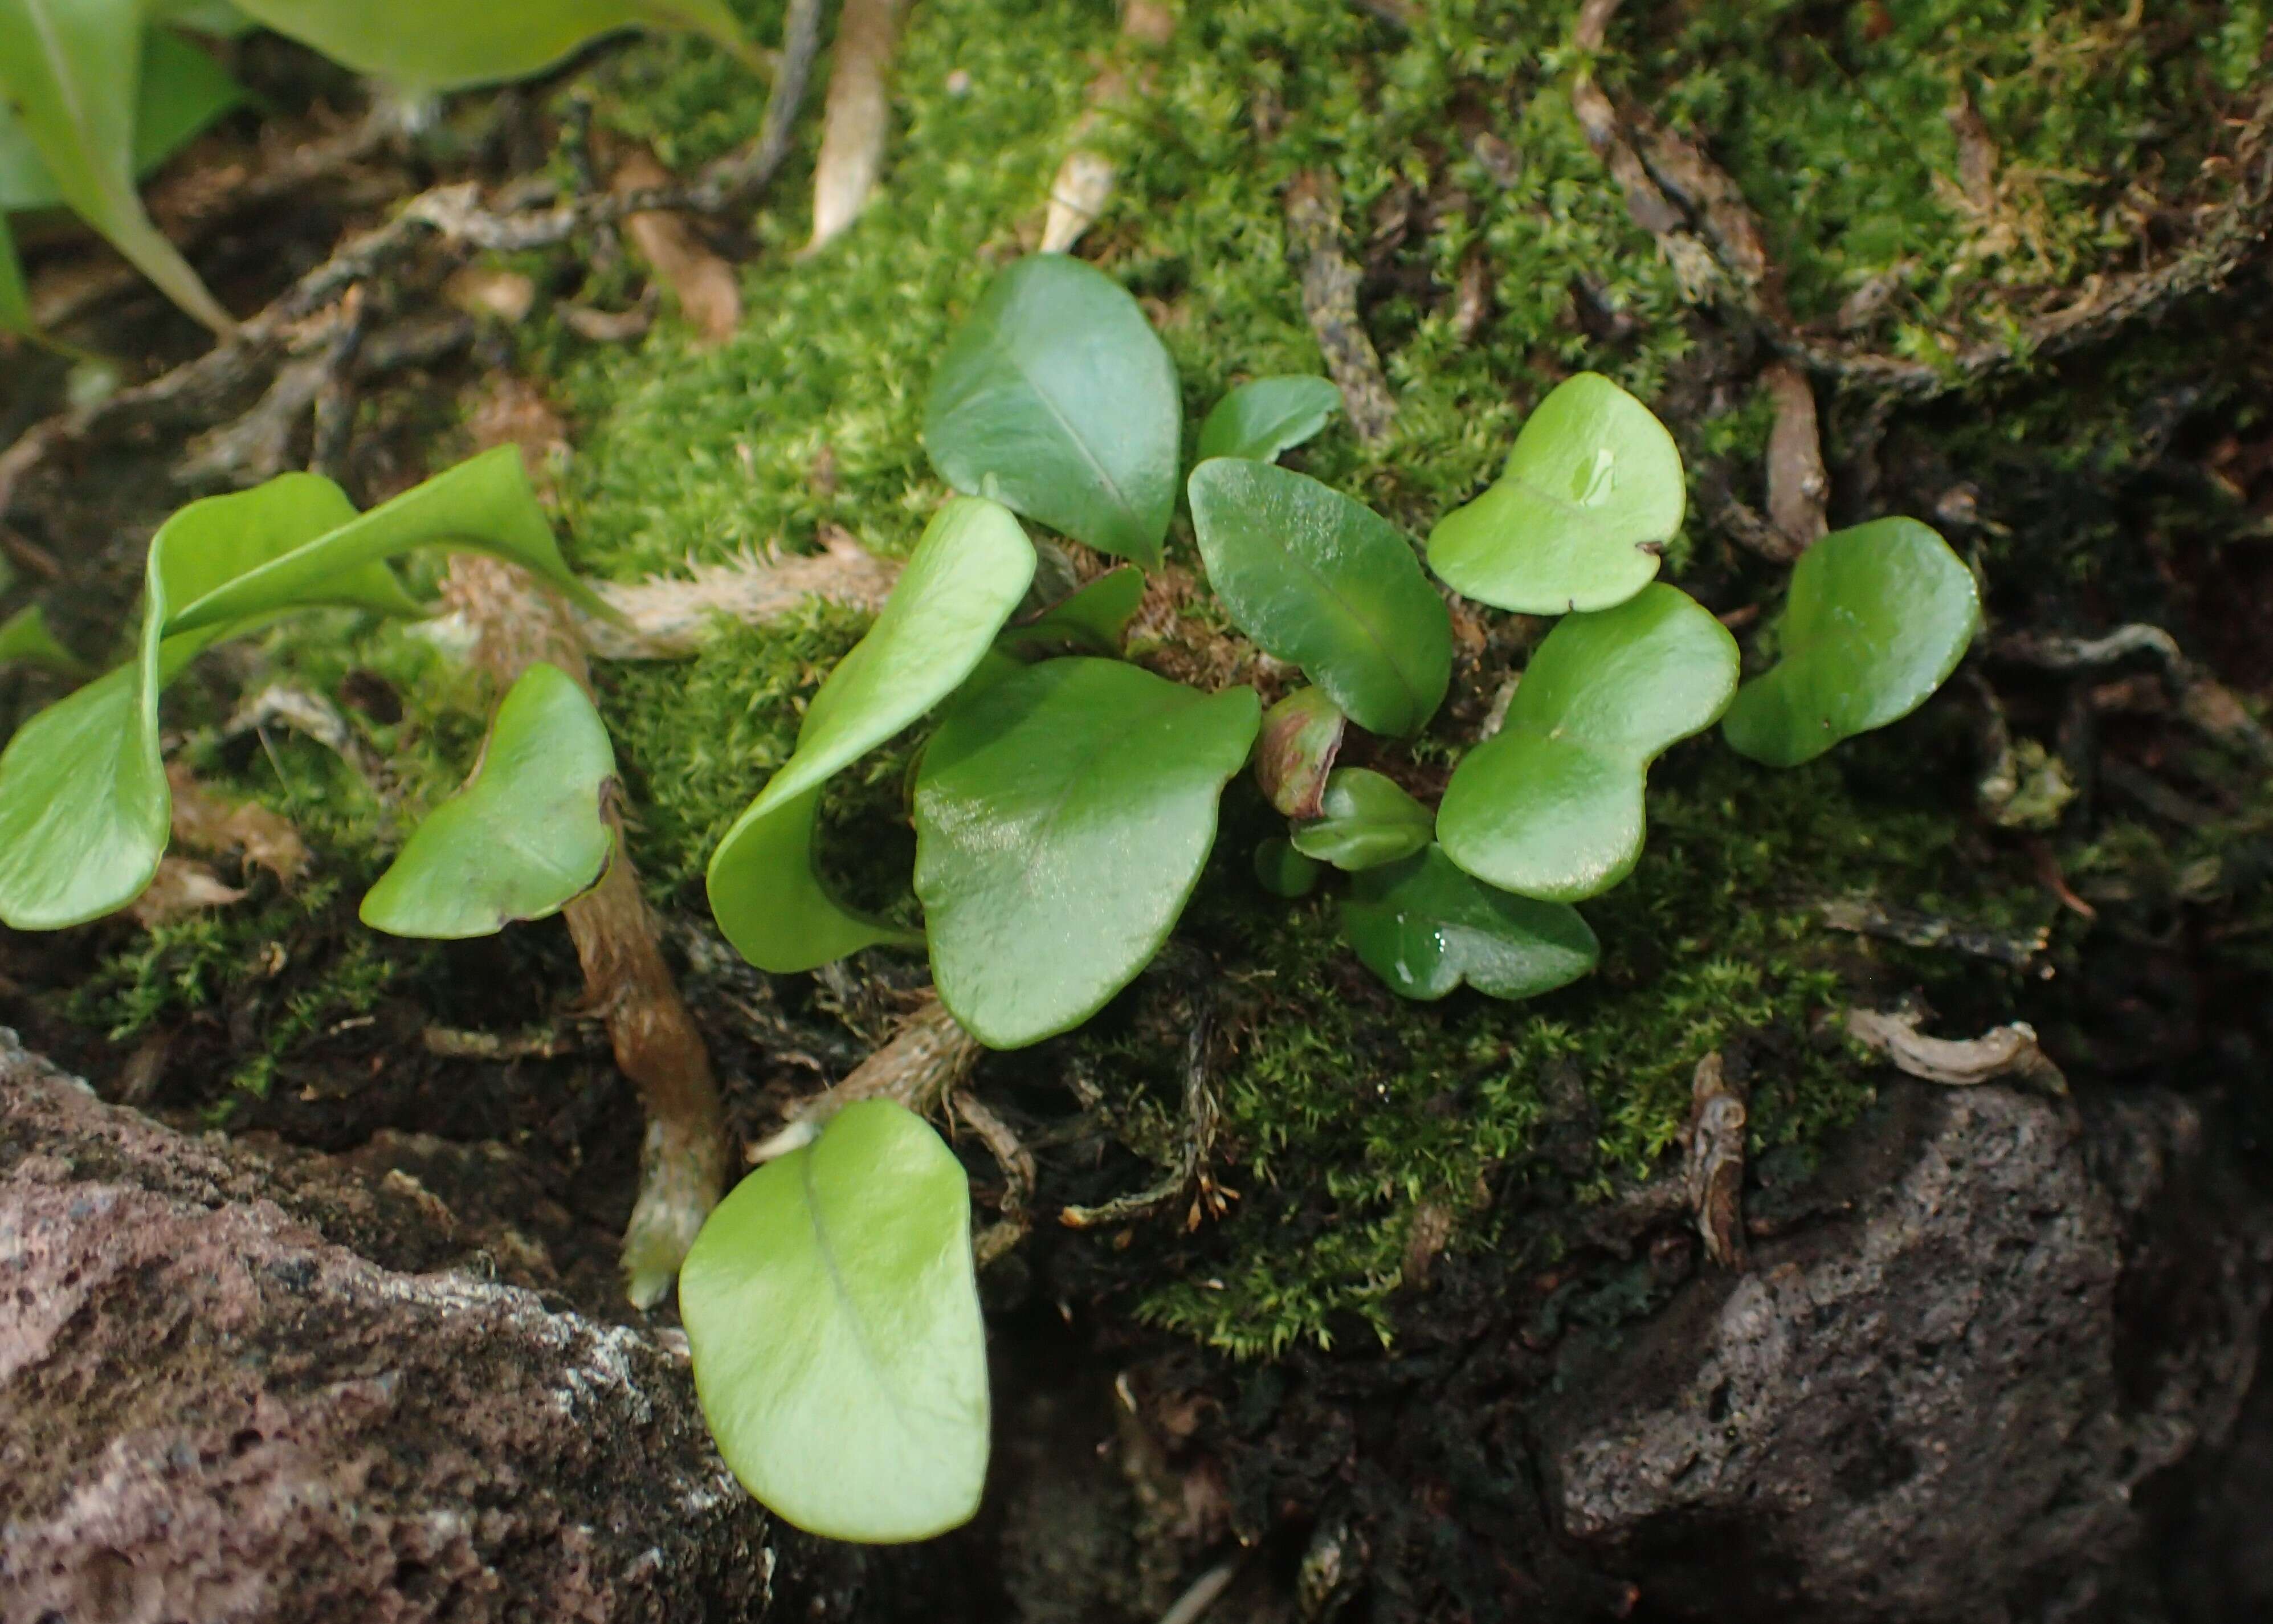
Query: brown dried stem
[(627, 981), (1330, 283)]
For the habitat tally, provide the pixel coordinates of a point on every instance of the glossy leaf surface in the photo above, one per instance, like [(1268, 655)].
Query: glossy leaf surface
[(1294, 752), (1323, 580), (1062, 817), (1424, 928), (1592, 492), (84, 806), (1878, 617), (525, 837), (964, 580), (1365, 820), (833, 1315), (1057, 398), (182, 90), (427, 45), (73, 70), (1551, 806), (1267, 416), (1284, 872)]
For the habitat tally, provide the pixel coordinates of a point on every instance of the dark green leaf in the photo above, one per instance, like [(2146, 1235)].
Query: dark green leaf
[(1552, 807), (1878, 617), (962, 582), (833, 1315), (524, 837), (1365, 820), (1284, 872), (1592, 493), (73, 70), (428, 45), (1093, 620), (1062, 817), (1057, 398), (1424, 926), (1302, 734), (1326, 583), (1267, 416)]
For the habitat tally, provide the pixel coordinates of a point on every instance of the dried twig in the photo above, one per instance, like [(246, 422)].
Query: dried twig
[(2005, 1051), (627, 981), (1864, 916), (670, 620), (1330, 283), (2203, 701), (1201, 1117), (1018, 1176), (204, 823), (927, 1059), (857, 116), (1713, 1166), (1799, 490), (538, 1043), (708, 293)]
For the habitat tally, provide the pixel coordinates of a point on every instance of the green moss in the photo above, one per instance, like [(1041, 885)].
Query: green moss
[(1349, 1109)]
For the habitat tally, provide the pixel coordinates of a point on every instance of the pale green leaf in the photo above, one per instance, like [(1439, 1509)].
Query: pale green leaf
[(73, 70), (833, 1315), (962, 580), (429, 45), (1878, 618), (1267, 416), (1323, 580), (1424, 928), (1062, 817), (1364, 821), (1551, 806), (1592, 493), (1057, 398), (26, 639), (184, 90), (527, 835)]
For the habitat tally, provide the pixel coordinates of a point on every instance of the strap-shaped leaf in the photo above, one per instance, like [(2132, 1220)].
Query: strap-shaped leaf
[(1056, 397), (26, 639), (1267, 416), (428, 45), (1062, 817), (1878, 618), (84, 806), (833, 1315), (182, 90), (72, 70), (964, 580), (1592, 493), (527, 835), (1364, 821), (1424, 928), (1551, 806), (1322, 580)]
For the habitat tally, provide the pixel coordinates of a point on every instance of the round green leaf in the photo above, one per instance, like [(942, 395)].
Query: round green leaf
[(964, 580), (1057, 398), (429, 45), (1062, 817), (529, 832), (1269, 415), (1878, 617), (1365, 820), (1283, 871), (1302, 734), (1592, 493), (1551, 806), (839, 1354), (1326, 583), (1424, 926)]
